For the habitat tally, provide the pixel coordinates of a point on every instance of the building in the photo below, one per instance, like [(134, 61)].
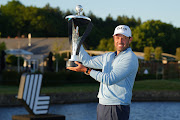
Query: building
[(39, 47)]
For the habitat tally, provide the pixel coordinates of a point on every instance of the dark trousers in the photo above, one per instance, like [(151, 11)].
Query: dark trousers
[(113, 112)]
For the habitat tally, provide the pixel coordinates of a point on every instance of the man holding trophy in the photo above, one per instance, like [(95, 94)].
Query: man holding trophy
[(118, 74)]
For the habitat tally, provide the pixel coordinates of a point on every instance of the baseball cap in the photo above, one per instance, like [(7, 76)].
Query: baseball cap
[(123, 29)]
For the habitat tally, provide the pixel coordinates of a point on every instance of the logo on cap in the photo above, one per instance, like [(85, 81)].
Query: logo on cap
[(121, 28)]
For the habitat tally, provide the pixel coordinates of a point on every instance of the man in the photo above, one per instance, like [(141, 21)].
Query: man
[(119, 69)]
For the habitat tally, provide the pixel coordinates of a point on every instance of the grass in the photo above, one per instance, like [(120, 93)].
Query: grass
[(92, 87), (8, 89), (145, 85), (157, 85), (84, 87)]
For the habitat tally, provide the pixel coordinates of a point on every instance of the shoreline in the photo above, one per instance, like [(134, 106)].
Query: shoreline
[(80, 97)]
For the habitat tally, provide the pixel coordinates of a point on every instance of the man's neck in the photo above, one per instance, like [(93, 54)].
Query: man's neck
[(117, 52)]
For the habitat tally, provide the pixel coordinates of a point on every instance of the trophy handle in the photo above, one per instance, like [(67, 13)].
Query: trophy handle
[(84, 36), (70, 31), (79, 22)]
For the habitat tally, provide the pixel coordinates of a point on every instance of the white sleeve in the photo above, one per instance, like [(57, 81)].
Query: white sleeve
[(95, 62)]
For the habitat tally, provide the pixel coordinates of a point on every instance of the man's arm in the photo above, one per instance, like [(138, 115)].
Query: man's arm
[(119, 72), (95, 62)]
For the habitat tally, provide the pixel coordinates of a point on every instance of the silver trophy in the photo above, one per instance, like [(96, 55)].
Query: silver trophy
[(75, 22)]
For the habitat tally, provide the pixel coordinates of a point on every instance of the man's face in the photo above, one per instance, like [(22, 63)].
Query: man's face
[(121, 42)]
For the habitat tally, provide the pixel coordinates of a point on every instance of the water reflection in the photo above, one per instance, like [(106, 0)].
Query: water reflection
[(87, 111)]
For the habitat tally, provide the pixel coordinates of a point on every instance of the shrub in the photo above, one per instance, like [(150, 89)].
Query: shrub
[(145, 76), (53, 78), (147, 53), (158, 53), (49, 78), (12, 60), (10, 78), (178, 53)]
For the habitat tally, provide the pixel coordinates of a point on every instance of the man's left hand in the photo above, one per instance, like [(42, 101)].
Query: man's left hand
[(79, 68)]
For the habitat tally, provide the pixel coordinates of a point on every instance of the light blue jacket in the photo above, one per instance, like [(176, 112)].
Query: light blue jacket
[(117, 76)]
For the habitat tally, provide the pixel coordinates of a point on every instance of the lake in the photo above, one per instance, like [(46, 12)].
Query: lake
[(87, 111)]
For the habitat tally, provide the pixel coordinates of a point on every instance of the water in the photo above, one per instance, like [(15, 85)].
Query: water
[(87, 111)]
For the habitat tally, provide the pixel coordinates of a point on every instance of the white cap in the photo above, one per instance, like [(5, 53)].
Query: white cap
[(123, 29)]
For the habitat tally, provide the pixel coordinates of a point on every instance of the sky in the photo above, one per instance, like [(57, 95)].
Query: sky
[(165, 10)]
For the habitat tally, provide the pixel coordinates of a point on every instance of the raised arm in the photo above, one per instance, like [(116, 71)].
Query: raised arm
[(95, 62)]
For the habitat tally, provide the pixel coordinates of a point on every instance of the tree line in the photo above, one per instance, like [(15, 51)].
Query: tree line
[(17, 20), (152, 34)]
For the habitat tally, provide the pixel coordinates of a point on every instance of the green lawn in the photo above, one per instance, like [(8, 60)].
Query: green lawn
[(8, 89), (157, 85), (92, 87), (57, 89), (145, 85)]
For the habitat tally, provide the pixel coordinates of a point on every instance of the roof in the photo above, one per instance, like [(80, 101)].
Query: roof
[(38, 45), (18, 52)]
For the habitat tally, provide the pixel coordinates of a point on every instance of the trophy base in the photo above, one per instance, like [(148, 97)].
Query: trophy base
[(71, 64)]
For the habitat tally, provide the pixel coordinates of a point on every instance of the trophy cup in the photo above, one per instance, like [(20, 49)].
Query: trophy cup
[(75, 22)]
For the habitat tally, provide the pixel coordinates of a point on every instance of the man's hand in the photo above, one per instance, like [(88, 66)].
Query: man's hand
[(79, 68)]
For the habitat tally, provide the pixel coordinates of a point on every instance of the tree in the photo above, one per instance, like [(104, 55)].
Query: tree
[(155, 33), (109, 25), (13, 12), (102, 45), (106, 45), (158, 53), (132, 22), (19, 20), (110, 45)]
